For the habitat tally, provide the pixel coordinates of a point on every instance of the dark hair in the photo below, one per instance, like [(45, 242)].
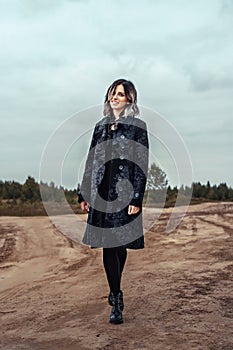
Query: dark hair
[(131, 107)]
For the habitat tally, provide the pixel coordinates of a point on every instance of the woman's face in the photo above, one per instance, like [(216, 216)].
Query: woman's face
[(118, 98)]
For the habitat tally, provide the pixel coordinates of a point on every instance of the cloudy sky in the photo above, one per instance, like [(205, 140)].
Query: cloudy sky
[(59, 56)]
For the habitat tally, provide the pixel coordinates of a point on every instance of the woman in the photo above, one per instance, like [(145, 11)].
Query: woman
[(113, 186)]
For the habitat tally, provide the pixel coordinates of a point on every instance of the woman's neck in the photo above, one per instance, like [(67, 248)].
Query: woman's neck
[(117, 113)]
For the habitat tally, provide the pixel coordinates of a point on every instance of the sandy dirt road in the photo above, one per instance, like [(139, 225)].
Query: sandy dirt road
[(178, 291)]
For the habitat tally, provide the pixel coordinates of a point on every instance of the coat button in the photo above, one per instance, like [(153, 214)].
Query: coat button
[(121, 156), (122, 136), (136, 194), (120, 166)]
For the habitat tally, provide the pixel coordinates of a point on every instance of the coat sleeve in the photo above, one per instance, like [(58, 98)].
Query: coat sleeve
[(83, 192), (141, 156)]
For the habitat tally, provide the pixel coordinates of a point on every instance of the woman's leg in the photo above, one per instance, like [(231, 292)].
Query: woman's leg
[(122, 255), (114, 261), (112, 268)]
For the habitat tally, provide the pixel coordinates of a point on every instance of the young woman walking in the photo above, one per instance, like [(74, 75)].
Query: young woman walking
[(113, 186)]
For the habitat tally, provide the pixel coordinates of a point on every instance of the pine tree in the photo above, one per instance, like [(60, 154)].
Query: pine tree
[(156, 179)]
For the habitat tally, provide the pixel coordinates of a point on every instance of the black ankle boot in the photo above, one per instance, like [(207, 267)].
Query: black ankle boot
[(116, 314), (121, 299)]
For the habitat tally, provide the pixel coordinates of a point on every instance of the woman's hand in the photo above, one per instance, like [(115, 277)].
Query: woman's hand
[(133, 210), (85, 206)]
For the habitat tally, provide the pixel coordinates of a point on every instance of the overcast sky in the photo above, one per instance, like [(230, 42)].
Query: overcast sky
[(59, 56)]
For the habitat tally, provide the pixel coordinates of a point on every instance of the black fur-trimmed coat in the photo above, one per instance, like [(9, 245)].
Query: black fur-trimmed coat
[(115, 176)]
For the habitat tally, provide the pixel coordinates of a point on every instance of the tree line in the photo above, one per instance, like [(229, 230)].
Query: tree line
[(157, 190), (30, 191)]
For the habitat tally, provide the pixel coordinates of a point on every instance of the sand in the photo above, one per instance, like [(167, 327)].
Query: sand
[(178, 291)]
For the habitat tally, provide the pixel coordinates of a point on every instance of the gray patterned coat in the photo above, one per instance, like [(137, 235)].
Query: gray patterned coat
[(115, 176)]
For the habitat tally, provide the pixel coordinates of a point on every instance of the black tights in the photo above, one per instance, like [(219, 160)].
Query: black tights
[(114, 261)]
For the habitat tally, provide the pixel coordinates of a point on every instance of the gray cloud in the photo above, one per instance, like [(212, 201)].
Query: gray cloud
[(226, 6), (58, 57), (204, 77)]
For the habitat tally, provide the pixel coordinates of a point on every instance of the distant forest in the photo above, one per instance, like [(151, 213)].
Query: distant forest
[(25, 199)]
